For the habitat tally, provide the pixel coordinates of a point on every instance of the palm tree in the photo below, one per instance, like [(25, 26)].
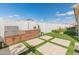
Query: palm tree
[(76, 12), (34, 27), (39, 28)]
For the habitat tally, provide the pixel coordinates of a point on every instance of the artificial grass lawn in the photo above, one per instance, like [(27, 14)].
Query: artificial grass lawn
[(70, 50), (31, 49), (64, 36)]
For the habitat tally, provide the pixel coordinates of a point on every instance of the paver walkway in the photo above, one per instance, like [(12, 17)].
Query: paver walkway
[(41, 45)]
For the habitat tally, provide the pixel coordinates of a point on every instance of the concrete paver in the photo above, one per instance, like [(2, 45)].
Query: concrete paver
[(34, 42), (61, 41), (46, 37), (51, 49), (17, 48)]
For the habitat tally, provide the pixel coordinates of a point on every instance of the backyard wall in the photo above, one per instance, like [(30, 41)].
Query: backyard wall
[(28, 25)]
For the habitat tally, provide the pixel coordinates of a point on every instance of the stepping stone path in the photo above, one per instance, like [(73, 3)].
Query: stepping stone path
[(17, 48), (76, 43), (34, 42), (46, 37), (43, 45), (51, 49), (77, 46), (61, 42)]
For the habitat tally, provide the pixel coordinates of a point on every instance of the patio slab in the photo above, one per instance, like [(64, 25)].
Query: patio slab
[(46, 37), (34, 42), (51, 49), (17, 48), (61, 42), (77, 46)]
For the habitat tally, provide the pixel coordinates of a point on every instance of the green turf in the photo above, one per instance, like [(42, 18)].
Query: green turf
[(70, 50), (64, 36), (33, 48)]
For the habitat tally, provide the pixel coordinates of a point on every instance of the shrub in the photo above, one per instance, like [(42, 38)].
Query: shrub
[(34, 27), (56, 31), (59, 30), (70, 32)]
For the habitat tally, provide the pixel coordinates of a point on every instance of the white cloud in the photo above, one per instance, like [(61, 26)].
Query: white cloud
[(60, 14), (74, 5), (57, 20), (1, 17), (57, 12), (16, 15), (64, 14), (70, 13), (10, 16), (41, 20)]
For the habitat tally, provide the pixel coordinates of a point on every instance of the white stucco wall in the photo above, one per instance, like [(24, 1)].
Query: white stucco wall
[(1, 27), (23, 25)]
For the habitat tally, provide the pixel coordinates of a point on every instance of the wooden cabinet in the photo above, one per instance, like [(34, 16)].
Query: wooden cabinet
[(27, 35)]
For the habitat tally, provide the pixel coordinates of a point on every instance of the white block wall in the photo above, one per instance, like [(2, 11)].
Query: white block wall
[(23, 25)]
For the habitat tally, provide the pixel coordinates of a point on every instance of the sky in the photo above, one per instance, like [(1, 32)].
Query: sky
[(41, 12)]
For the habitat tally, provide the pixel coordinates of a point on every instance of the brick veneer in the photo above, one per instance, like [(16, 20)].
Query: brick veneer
[(22, 36)]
